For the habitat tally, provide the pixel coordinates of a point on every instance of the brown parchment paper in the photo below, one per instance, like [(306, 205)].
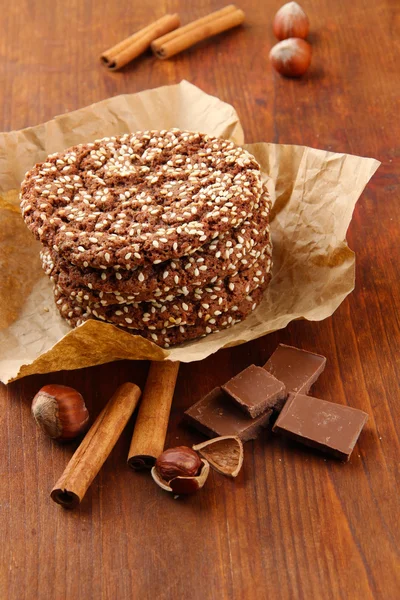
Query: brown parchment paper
[(314, 196)]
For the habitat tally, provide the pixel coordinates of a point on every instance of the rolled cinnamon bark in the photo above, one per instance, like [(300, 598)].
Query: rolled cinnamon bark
[(180, 39), (152, 421), (96, 446), (122, 53)]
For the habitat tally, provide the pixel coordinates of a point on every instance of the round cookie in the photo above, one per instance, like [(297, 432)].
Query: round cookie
[(229, 253), (142, 197), (180, 334), (180, 310), (155, 289), (87, 297)]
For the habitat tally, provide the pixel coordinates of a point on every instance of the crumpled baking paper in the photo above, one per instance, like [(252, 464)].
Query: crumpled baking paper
[(314, 198)]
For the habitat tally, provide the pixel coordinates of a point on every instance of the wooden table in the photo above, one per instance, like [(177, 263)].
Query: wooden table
[(293, 525)]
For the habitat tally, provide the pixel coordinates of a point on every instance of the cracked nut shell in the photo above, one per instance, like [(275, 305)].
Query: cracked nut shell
[(183, 485)]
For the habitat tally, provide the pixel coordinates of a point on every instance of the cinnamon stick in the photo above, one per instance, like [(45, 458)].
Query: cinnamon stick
[(180, 39), (152, 421), (96, 446), (119, 55)]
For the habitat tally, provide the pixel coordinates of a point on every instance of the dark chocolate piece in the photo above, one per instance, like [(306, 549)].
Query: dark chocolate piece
[(332, 428), (215, 414), (254, 390), (296, 368)]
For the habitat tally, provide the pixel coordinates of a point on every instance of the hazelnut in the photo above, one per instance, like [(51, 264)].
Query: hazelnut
[(291, 21), (291, 57), (60, 411), (180, 470), (178, 462)]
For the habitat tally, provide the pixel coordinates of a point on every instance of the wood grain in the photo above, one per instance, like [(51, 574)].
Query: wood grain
[(292, 525)]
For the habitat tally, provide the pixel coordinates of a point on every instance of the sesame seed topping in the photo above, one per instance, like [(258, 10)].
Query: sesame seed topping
[(195, 171)]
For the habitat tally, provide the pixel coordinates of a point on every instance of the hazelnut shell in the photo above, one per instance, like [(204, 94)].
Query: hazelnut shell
[(224, 453), (183, 485)]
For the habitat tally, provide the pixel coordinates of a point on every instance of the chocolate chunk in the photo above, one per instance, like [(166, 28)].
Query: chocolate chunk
[(254, 390), (296, 368), (332, 428), (215, 414)]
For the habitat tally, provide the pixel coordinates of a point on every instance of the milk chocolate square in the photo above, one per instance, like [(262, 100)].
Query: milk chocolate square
[(216, 414), (296, 368), (254, 390), (327, 426)]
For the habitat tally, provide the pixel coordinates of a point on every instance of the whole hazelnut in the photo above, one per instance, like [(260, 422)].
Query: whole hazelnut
[(291, 21), (180, 470), (60, 411), (291, 57)]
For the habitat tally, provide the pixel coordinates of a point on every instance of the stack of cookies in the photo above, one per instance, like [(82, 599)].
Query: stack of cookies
[(164, 233)]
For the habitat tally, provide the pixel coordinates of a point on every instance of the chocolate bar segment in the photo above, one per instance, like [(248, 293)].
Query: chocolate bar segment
[(254, 390), (216, 414), (329, 427), (296, 368)]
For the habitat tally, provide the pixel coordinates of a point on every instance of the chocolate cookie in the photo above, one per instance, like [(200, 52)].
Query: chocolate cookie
[(182, 277), (138, 198), (179, 310), (87, 297), (179, 334), (226, 255)]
